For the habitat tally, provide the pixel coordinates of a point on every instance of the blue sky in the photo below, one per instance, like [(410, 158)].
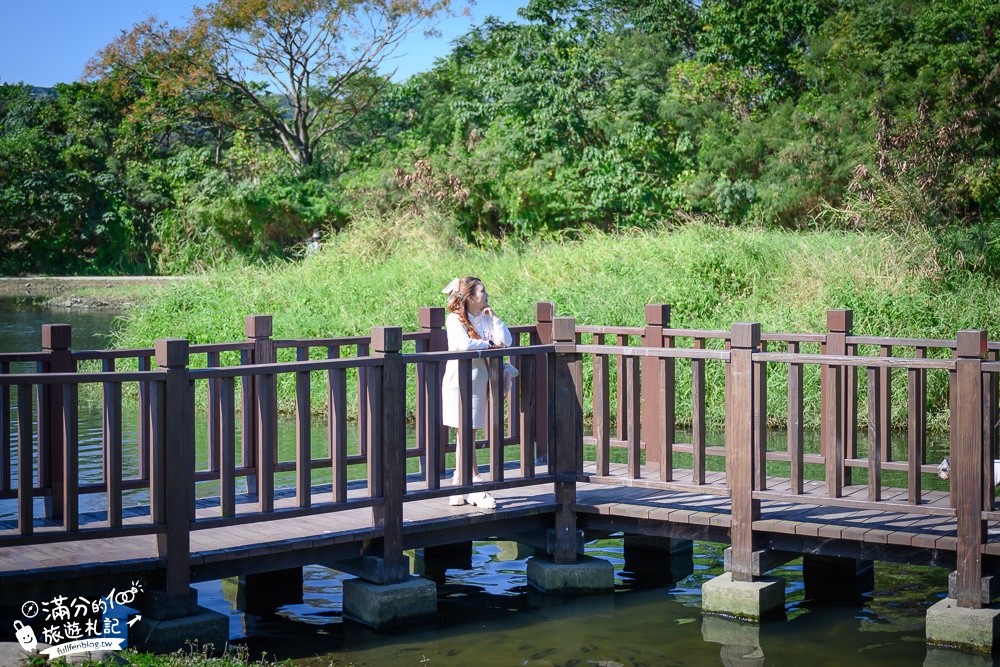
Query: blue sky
[(44, 42)]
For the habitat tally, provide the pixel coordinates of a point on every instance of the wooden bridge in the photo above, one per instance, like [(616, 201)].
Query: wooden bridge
[(201, 499)]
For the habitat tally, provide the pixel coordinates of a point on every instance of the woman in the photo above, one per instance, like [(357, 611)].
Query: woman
[(471, 325)]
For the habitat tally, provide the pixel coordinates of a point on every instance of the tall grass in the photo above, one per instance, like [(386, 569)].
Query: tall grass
[(381, 271)]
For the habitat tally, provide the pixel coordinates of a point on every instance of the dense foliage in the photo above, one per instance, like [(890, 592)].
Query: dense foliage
[(610, 114)]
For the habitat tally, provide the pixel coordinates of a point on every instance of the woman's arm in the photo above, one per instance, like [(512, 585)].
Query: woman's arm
[(501, 334), (459, 339)]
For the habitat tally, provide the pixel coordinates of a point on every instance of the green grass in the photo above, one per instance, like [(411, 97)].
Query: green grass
[(380, 272)]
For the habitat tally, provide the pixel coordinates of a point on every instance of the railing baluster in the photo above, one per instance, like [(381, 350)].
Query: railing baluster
[(6, 478), (760, 424), (25, 461), (885, 377), (621, 420), (112, 445), (494, 367), (832, 429), (267, 446), (916, 422), (465, 457), (698, 416), (602, 430), (227, 458), (875, 436), (214, 415), (526, 413), (144, 421), (634, 395), (303, 433), (337, 435), (71, 461), (796, 440), (363, 416), (432, 418)]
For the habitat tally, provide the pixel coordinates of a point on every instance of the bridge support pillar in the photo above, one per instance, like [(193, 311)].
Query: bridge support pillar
[(833, 579), (263, 592), (158, 631), (962, 628), (586, 575), (658, 560), (388, 605), (745, 600), (434, 562)]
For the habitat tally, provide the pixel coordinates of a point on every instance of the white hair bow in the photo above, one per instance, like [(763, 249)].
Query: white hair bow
[(451, 287)]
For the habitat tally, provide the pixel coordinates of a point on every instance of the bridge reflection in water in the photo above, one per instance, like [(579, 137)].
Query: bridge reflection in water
[(215, 510)]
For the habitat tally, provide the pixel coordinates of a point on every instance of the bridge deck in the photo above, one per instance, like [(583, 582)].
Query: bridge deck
[(604, 505)]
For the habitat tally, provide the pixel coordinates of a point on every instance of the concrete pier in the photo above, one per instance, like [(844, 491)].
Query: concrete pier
[(204, 626), (389, 605), (586, 575), (971, 630), (745, 600)]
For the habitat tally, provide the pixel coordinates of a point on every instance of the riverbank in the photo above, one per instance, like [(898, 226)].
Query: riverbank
[(86, 292)]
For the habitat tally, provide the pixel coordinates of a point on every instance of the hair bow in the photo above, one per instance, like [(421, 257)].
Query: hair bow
[(451, 287)]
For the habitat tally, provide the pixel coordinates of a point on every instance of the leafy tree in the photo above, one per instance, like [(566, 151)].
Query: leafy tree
[(305, 68)]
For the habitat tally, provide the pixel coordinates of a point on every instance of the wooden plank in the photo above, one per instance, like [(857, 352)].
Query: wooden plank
[(601, 413), (698, 432), (875, 449), (112, 445), (25, 461), (227, 446), (303, 435), (373, 383), (633, 410)]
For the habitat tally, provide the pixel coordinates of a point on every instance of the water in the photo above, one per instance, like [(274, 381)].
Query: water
[(488, 615)]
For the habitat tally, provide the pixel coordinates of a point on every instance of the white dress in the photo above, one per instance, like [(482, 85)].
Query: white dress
[(459, 341)]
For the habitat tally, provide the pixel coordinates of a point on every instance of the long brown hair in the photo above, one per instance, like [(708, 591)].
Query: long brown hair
[(458, 303)]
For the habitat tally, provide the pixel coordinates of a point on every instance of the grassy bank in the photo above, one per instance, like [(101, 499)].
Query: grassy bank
[(381, 273)]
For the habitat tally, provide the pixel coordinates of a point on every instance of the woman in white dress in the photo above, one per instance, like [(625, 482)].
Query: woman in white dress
[(471, 325)]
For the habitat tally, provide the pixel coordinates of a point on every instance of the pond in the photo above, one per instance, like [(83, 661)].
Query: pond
[(489, 615)]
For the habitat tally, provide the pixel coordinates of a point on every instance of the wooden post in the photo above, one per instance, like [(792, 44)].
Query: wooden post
[(567, 433), (432, 437), (969, 466), (257, 329), (745, 337), (544, 314), (387, 343), (840, 325), (653, 398), (178, 474), (56, 340)]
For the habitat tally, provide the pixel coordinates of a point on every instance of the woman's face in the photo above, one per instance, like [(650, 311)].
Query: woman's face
[(478, 299)]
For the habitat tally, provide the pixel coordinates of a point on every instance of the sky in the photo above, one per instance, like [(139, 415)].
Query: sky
[(44, 42)]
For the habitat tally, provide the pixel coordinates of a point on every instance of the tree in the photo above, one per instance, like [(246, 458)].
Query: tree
[(303, 68)]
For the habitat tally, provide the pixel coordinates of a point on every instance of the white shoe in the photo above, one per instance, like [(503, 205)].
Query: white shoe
[(476, 478), (456, 501), (483, 500)]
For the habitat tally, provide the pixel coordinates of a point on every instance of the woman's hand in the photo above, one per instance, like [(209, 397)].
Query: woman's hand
[(489, 311)]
